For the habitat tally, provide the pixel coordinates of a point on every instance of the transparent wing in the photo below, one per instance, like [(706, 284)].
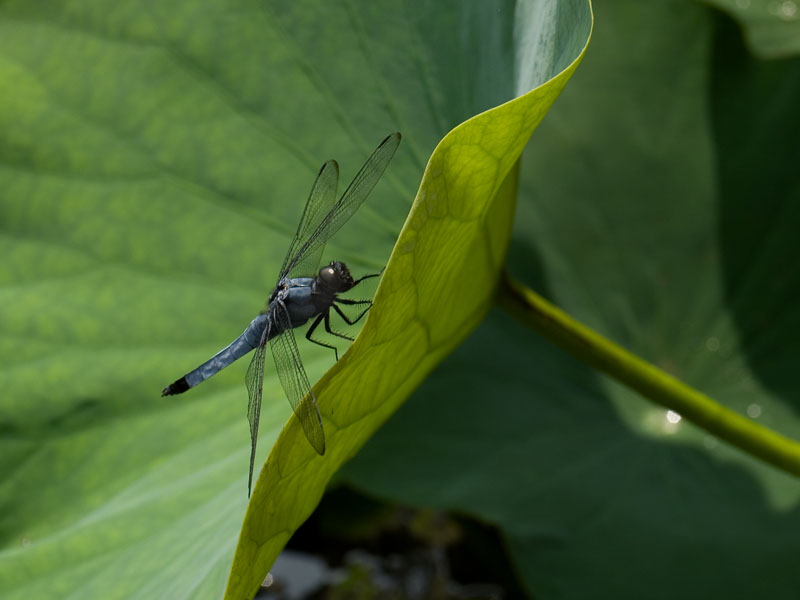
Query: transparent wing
[(319, 203), (255, 384), (294, 379), (354, 195)]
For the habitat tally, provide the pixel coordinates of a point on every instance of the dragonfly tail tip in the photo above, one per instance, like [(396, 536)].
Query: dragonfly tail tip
[(176, 387)]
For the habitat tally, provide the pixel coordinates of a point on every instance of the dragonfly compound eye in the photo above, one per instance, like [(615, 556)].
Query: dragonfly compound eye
[(336, 277), (328, 275)]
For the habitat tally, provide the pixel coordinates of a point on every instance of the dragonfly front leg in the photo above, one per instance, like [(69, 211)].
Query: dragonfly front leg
[(360, 279)]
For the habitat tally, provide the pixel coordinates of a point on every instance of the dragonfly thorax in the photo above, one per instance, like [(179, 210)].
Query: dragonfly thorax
[(334, 278)]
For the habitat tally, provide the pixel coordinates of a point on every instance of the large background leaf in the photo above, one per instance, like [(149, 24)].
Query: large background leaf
[(153, 163), (659, 206)]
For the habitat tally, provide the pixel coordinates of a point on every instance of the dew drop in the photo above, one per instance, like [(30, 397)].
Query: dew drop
[(754, 411)]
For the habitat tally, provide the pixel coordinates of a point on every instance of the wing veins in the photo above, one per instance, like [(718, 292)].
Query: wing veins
[(320, 199), (355, 194), (254, 380), (294, 380)]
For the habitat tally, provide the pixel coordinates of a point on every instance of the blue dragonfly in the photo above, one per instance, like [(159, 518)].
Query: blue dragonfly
[(302, 293)]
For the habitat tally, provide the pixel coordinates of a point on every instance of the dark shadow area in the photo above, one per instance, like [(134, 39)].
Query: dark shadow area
[(756, 116), (354, 546)]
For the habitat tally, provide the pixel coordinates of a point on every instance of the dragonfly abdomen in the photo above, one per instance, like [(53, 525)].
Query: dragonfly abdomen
[(248, 341)]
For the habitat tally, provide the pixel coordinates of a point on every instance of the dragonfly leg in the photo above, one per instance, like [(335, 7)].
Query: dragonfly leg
[(360, 279), (345, 317), (347, 301), (331, 331), (311, 329)]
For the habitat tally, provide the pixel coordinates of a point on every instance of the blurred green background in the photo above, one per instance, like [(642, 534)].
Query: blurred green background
[(153, 160)]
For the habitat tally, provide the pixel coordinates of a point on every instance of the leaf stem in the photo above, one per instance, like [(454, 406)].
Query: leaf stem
[(650, 381)]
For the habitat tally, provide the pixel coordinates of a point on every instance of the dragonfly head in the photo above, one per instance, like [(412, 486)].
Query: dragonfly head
[(336, 277)]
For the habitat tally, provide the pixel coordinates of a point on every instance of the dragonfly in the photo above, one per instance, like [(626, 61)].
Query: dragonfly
[(304, 292)]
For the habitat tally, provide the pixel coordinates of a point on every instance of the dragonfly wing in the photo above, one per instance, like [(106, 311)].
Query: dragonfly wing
[(318, 205), (353, 197), (255, 385), (294, 379)]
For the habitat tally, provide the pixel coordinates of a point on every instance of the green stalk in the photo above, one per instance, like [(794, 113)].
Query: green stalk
[(650, 381)]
